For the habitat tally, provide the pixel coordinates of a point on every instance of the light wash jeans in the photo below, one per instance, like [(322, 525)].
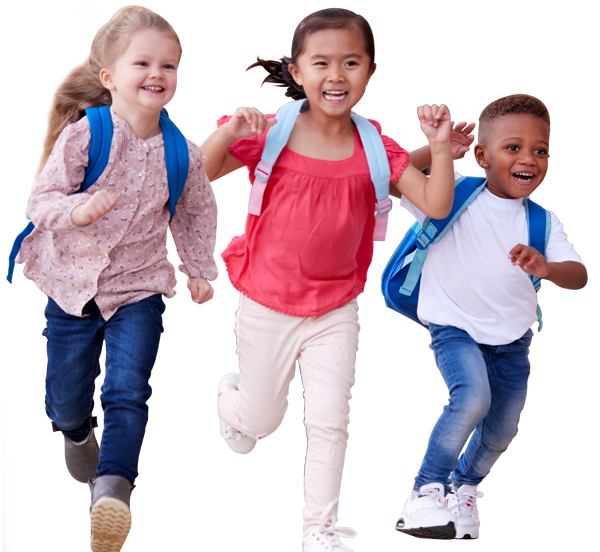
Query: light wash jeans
[(488, 386)]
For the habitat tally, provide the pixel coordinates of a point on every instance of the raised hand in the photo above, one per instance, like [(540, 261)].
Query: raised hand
[(435, 122), (461, 139), (200, 289), (530, 260), (247, 122), (96, 207)]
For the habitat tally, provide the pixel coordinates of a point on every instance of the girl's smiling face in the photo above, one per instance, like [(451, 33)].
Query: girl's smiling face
[(144, 78), (515, 155), (334, 70)]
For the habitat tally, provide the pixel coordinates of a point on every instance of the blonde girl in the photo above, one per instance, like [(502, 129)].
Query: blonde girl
[(101, 256), (302, 263)]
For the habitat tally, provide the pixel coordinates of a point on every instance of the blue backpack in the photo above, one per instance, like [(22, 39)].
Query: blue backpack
[(278, 136), (176, 160), (401, 279)]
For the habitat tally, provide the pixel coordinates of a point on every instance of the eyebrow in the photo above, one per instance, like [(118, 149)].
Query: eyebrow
[(519, 138), (345, 56)]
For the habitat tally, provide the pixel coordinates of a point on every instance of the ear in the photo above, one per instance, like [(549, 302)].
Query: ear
[(106, 80), (480, 157), (295, 74), (371, 71), (479, 152)]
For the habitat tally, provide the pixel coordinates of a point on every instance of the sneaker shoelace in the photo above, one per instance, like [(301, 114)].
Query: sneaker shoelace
[(467, 501), (328, 529), (232, 433), (436, 497)]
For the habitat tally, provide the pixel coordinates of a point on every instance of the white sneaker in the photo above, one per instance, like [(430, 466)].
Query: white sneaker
[(326, 537), (463, 504), (237, 441), (426, 514)]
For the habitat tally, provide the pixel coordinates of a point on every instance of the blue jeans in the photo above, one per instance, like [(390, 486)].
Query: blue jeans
[(132, 336), (488, 386)]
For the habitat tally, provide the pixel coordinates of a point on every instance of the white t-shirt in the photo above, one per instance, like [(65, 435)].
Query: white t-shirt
[(468, 280)]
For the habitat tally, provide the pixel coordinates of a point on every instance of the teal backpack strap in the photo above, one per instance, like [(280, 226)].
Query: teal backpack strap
[(101, 132), (432, 230), (379, 167), (538, 228), (177, 159), (277, 138)]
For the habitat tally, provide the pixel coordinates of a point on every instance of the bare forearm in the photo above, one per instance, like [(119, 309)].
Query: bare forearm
[(215, 149), (439, 188), (421, 158), (568, 275)]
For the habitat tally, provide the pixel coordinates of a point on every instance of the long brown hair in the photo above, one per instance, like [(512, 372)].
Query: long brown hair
[(83, 88)]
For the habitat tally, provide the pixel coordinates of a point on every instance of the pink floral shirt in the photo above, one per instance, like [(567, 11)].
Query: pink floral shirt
[(122, 257)]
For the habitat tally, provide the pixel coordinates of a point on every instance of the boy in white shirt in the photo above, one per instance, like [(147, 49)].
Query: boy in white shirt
[(479, 303)]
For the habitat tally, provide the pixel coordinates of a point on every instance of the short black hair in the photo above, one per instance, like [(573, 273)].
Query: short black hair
[(509, 105)]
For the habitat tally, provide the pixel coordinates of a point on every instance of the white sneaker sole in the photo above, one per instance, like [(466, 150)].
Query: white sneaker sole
[(467, 531)]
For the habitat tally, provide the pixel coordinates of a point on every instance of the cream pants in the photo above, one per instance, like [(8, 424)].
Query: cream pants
[(268, 345)]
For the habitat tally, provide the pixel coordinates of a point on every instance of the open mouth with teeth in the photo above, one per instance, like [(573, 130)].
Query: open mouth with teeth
[(155, 89), (335, 96), (524, 178)]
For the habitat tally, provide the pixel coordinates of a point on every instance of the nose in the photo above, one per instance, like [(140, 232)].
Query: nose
[(526, 157), (156, 72), (335, 74)]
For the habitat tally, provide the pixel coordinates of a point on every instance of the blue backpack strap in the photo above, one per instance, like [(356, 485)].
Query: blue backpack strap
[(538, 227), (432, 230), (277, 138), (177, 159), (379, 167), (101, 131)]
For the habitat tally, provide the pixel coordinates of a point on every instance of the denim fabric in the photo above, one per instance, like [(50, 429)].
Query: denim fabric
[(488, 386), (132, 336)]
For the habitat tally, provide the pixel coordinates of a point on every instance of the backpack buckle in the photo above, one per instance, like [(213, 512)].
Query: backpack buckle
[(384, 206), (263, 170)]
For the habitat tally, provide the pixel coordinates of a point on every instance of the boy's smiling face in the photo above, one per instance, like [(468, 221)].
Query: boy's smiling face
[(515, 154)]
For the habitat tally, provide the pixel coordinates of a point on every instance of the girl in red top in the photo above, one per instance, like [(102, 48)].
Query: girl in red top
[(303, 261)]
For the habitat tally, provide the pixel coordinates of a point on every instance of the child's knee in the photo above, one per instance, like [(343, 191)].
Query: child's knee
[(263, 423), (473, 401)]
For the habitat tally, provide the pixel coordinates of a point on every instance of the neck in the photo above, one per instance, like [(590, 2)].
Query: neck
[(328, 125), (143, 125)]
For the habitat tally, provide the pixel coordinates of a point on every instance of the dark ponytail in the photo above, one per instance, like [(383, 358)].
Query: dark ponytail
[(279, 75)]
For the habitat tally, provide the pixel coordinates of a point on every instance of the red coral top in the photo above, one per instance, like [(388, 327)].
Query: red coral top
[(309, 251)]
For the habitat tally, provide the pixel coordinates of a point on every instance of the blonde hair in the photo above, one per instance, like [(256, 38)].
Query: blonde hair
[(82, 88)]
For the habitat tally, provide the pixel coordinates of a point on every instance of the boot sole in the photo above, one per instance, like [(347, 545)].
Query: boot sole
[(111, 521)]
